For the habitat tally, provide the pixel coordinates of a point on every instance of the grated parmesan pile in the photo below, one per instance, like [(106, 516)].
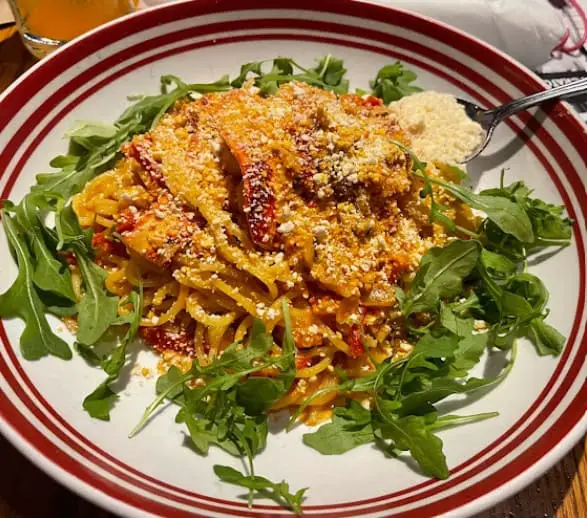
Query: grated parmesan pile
[(438, 126)]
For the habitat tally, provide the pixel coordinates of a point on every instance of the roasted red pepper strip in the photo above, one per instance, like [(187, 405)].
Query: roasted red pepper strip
[(260, 202), (141, 152), (258, 195), (356, 341), (357, 348)]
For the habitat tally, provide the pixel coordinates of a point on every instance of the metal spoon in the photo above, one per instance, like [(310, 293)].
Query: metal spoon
[(489, 119)]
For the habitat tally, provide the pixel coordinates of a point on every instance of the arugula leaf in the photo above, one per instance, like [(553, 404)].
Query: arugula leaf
[(458, 420), (498, 265), (549, 225), (227, 372), (430, 346), (331, 71), (412, 434), (171, 383), (521, 299), (97, 310), (99, 403), (203, 433), (113, 365), (21, 300), (350, 427), (548, 222), (254, 67), (368, 383), (50, 274), (236, 356), (469, 305), (70, 234), (530, 288), (440, 274), (468, 353), (404, 413), (392, 82), (91, 135), (281, 71), (279, 492), (493, 289), (458, 325), (437, 211), (88, 353), (420, 402), (225, 407), (509, 216), (257, 394), (545, 337), (328, 75), (63, 161), (219, 419)]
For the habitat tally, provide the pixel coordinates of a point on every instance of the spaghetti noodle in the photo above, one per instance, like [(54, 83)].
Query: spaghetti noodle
[(235, 202)]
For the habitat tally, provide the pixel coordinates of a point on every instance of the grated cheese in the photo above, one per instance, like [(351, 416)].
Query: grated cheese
[(438, 126)]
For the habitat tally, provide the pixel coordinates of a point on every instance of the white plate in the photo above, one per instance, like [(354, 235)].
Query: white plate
[(542, 403)]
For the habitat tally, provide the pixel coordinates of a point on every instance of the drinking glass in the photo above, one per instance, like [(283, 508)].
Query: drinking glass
[(44, 25)]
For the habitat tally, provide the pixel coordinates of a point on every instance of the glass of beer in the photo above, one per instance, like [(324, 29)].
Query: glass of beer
[(44, 25)]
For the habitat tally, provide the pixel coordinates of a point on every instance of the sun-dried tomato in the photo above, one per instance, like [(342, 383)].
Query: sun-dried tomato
[(166, 338), (372, 101), (127, 220), (102, 241), (357, 349), (303, 361)]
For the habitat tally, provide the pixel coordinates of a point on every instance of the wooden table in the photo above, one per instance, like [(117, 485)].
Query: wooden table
[(25, 491)]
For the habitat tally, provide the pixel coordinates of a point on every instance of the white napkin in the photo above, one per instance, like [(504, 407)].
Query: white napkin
[(526, 29), (5, 13)]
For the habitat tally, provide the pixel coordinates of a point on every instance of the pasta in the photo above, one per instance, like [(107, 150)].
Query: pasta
[(236, 202)]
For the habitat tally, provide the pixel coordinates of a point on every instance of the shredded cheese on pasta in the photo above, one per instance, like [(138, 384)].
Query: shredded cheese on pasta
[(235, 202)]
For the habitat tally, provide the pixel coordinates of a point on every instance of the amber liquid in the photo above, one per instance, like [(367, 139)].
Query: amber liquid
[(46, 24)]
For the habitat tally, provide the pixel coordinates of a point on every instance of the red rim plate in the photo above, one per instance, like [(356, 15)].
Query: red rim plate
[(19, 429)]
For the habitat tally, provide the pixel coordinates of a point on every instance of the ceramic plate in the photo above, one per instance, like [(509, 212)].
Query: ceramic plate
[(542, 402)]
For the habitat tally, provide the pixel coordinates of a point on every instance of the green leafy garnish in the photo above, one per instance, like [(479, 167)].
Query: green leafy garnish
[(278, 492), (402, 416), (328, 75), (441, 275), (392, 82), (51, 274), (226, 375), (22, 300), (350, 427), (99, 403), (219, 404), (412, 434), (509, 216)]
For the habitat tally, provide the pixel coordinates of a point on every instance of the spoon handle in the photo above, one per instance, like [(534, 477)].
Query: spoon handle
[(559, 92)]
